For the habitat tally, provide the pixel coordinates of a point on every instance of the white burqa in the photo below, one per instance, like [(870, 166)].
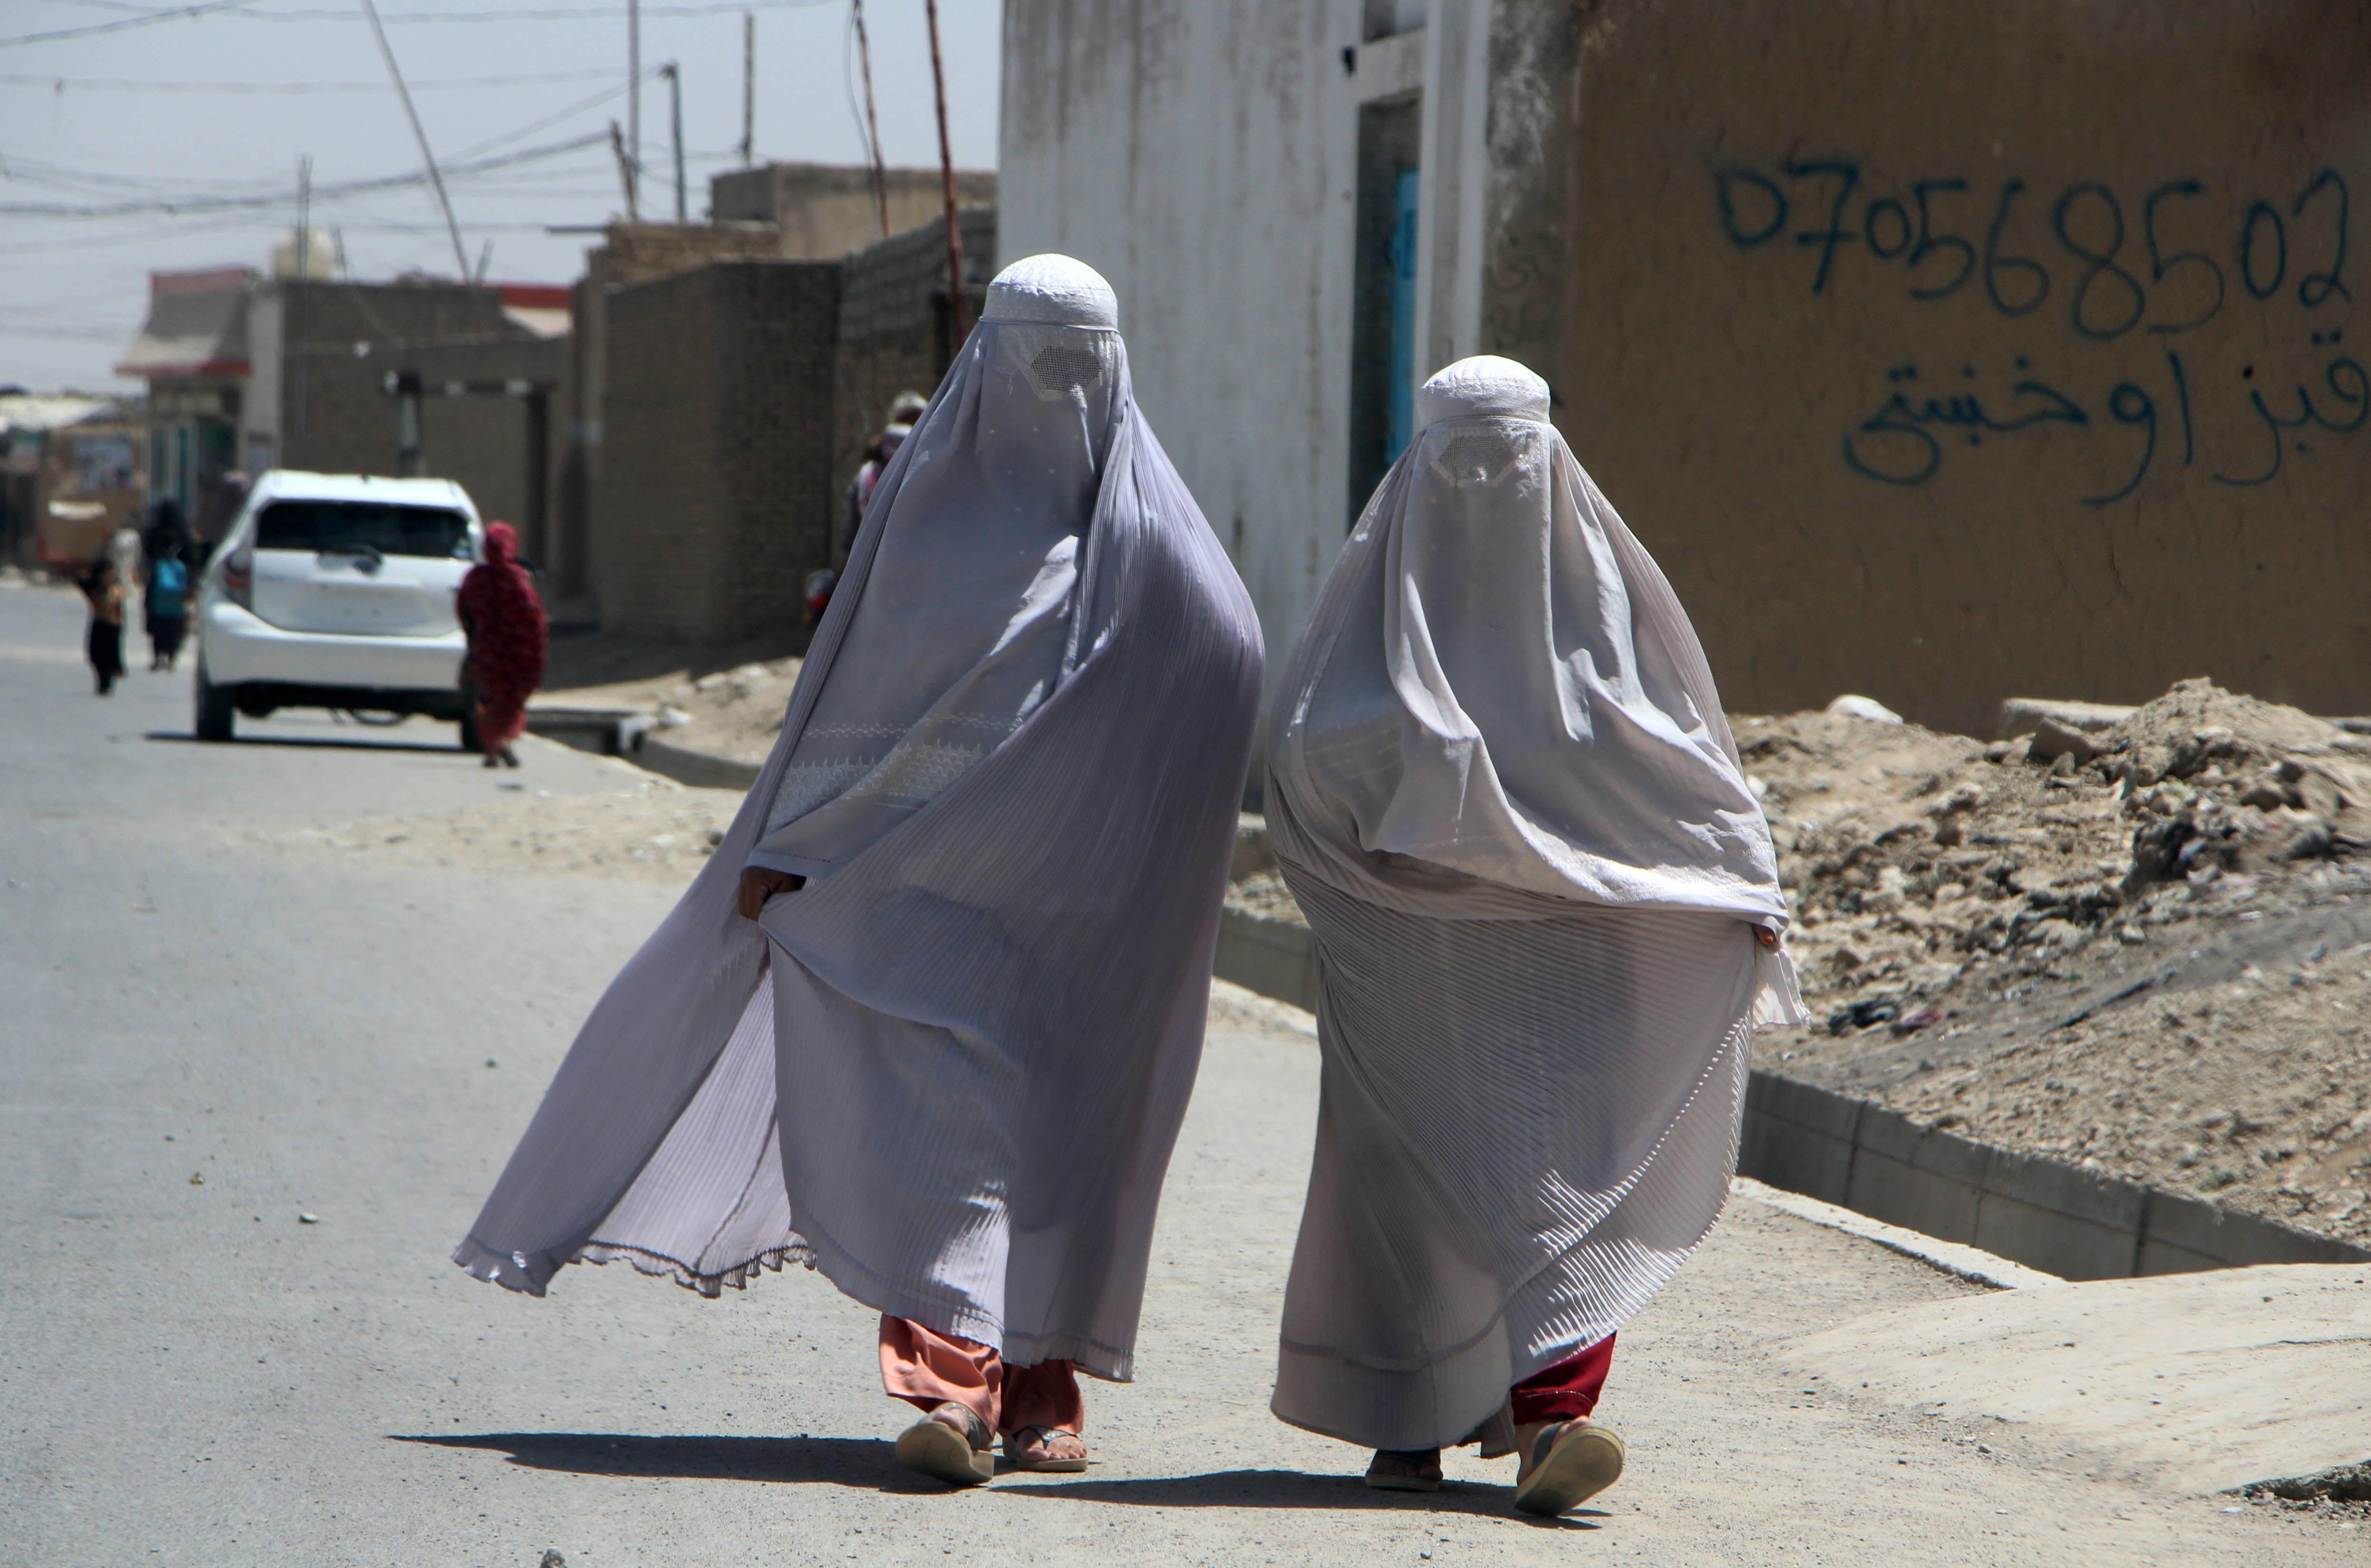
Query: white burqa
[(1501, 787), (948, 1071)]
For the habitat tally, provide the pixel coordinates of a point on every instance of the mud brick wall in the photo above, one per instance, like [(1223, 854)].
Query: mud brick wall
[(1947, 352), (893, 326), (715, 496)]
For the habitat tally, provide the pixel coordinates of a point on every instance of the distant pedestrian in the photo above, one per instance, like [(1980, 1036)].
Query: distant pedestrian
[(1546, 913), (504, 621), (124, 553), (904, 409), (104, 642), (165, 604), (928, 1020)]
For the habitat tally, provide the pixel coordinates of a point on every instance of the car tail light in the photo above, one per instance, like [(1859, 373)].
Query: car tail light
[(238, 577)]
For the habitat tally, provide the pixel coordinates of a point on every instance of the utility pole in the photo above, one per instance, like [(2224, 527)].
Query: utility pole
[(871, 122), (674, 74), (955, 301), (460, 256), (633, 99), (625, 166), (748, 83), (304, 213)]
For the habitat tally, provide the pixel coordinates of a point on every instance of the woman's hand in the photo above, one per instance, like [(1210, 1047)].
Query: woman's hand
[(759, 884)]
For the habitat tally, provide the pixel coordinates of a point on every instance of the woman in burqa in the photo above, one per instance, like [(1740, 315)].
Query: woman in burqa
[(1546, 914), (504, 618), (929, 1021)]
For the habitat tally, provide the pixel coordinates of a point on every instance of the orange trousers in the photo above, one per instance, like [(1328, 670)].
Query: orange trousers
[(928, 1369)]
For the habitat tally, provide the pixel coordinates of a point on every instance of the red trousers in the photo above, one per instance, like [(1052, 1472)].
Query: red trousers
[(1566, 1391), (928, 1369)]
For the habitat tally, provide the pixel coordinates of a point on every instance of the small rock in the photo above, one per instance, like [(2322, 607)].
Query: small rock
[(1923, 1017), (2052, 739), (197, 1177), (1864, 708), (490, 1062), (303, 1218), (552, 1559)]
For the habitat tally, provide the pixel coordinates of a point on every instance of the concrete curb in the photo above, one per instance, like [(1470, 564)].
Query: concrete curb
[(1956, 1259), (686, 766), (2042, 1214)]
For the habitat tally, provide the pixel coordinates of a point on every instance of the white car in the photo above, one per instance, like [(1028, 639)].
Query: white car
[(336, 591)]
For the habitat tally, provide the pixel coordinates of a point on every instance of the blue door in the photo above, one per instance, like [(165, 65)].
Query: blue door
[(1402, 320)]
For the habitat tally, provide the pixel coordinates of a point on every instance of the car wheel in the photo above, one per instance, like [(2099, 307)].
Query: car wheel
[(214, 709), (470, 734)]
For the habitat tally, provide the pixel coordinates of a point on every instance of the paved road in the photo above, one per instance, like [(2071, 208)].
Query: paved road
[(191, 1375)]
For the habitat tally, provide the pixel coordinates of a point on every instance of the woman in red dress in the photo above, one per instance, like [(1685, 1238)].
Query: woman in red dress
[(504, 622)]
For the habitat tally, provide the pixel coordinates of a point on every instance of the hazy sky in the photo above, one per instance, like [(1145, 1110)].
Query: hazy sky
[(202, 108)]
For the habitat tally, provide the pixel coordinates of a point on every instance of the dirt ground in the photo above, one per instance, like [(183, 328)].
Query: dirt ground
[(725, 701), (2145, 950), (650, 829)]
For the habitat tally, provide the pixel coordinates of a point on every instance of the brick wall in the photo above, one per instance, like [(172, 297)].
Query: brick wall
[(342, 340), (714, 492), (826, 211), (892, 326)]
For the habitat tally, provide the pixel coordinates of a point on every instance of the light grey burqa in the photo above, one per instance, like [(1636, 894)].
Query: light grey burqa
[(1502, 788), (949, 1071)]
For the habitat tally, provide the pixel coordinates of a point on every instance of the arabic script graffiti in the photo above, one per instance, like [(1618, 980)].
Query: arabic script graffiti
[(2165, 266)]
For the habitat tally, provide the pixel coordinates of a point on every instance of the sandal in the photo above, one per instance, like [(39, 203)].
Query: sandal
[(1571, 1462), (1021, 1437), (1404, 1469), (958, 1455)]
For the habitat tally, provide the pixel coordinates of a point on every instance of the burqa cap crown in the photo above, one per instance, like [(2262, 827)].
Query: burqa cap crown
[(1054, 289), (1484, 387)]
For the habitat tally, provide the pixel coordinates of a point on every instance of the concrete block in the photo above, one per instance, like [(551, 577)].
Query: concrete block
[(2173, 1224), (1804, 1105), (2053, 1241), (2100, 1200), (1941, 1154), (1898, 1192), (687, 767), (2164, 1258), (1274, 958)]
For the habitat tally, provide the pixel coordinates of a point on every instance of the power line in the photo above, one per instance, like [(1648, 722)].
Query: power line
[(244, 10), (118, 84), (227, 202), (173, 14)]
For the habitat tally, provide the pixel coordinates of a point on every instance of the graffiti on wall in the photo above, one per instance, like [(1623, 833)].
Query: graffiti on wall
[(2095, 265)]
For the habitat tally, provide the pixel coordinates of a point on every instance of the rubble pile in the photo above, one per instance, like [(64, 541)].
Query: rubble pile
[(2143, 946), (1910, 854)]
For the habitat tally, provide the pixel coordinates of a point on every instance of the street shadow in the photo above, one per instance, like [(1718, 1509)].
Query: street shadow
[(321, 743), (868, 1464), (1295, 1489)]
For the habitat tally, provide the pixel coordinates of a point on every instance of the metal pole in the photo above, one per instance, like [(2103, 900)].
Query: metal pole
[(460, 256), (955, 301), (633, 98), (872, 122), (304, 212), (748, 83), (625, 166), (674, 74)]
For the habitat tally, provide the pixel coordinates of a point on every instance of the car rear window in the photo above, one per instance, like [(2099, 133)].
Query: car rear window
[(330, 527)]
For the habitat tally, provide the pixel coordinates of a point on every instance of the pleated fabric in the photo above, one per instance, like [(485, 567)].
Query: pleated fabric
[(950, 1070), (1501, 787)]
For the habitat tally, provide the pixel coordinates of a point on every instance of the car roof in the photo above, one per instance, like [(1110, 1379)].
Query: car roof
[(295, 484)]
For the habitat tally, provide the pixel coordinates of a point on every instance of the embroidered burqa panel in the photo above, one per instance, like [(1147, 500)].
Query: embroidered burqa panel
[(948, 1071), (1503, 791)]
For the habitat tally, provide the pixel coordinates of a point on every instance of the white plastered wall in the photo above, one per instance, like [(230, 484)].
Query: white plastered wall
[(1203, 155)]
